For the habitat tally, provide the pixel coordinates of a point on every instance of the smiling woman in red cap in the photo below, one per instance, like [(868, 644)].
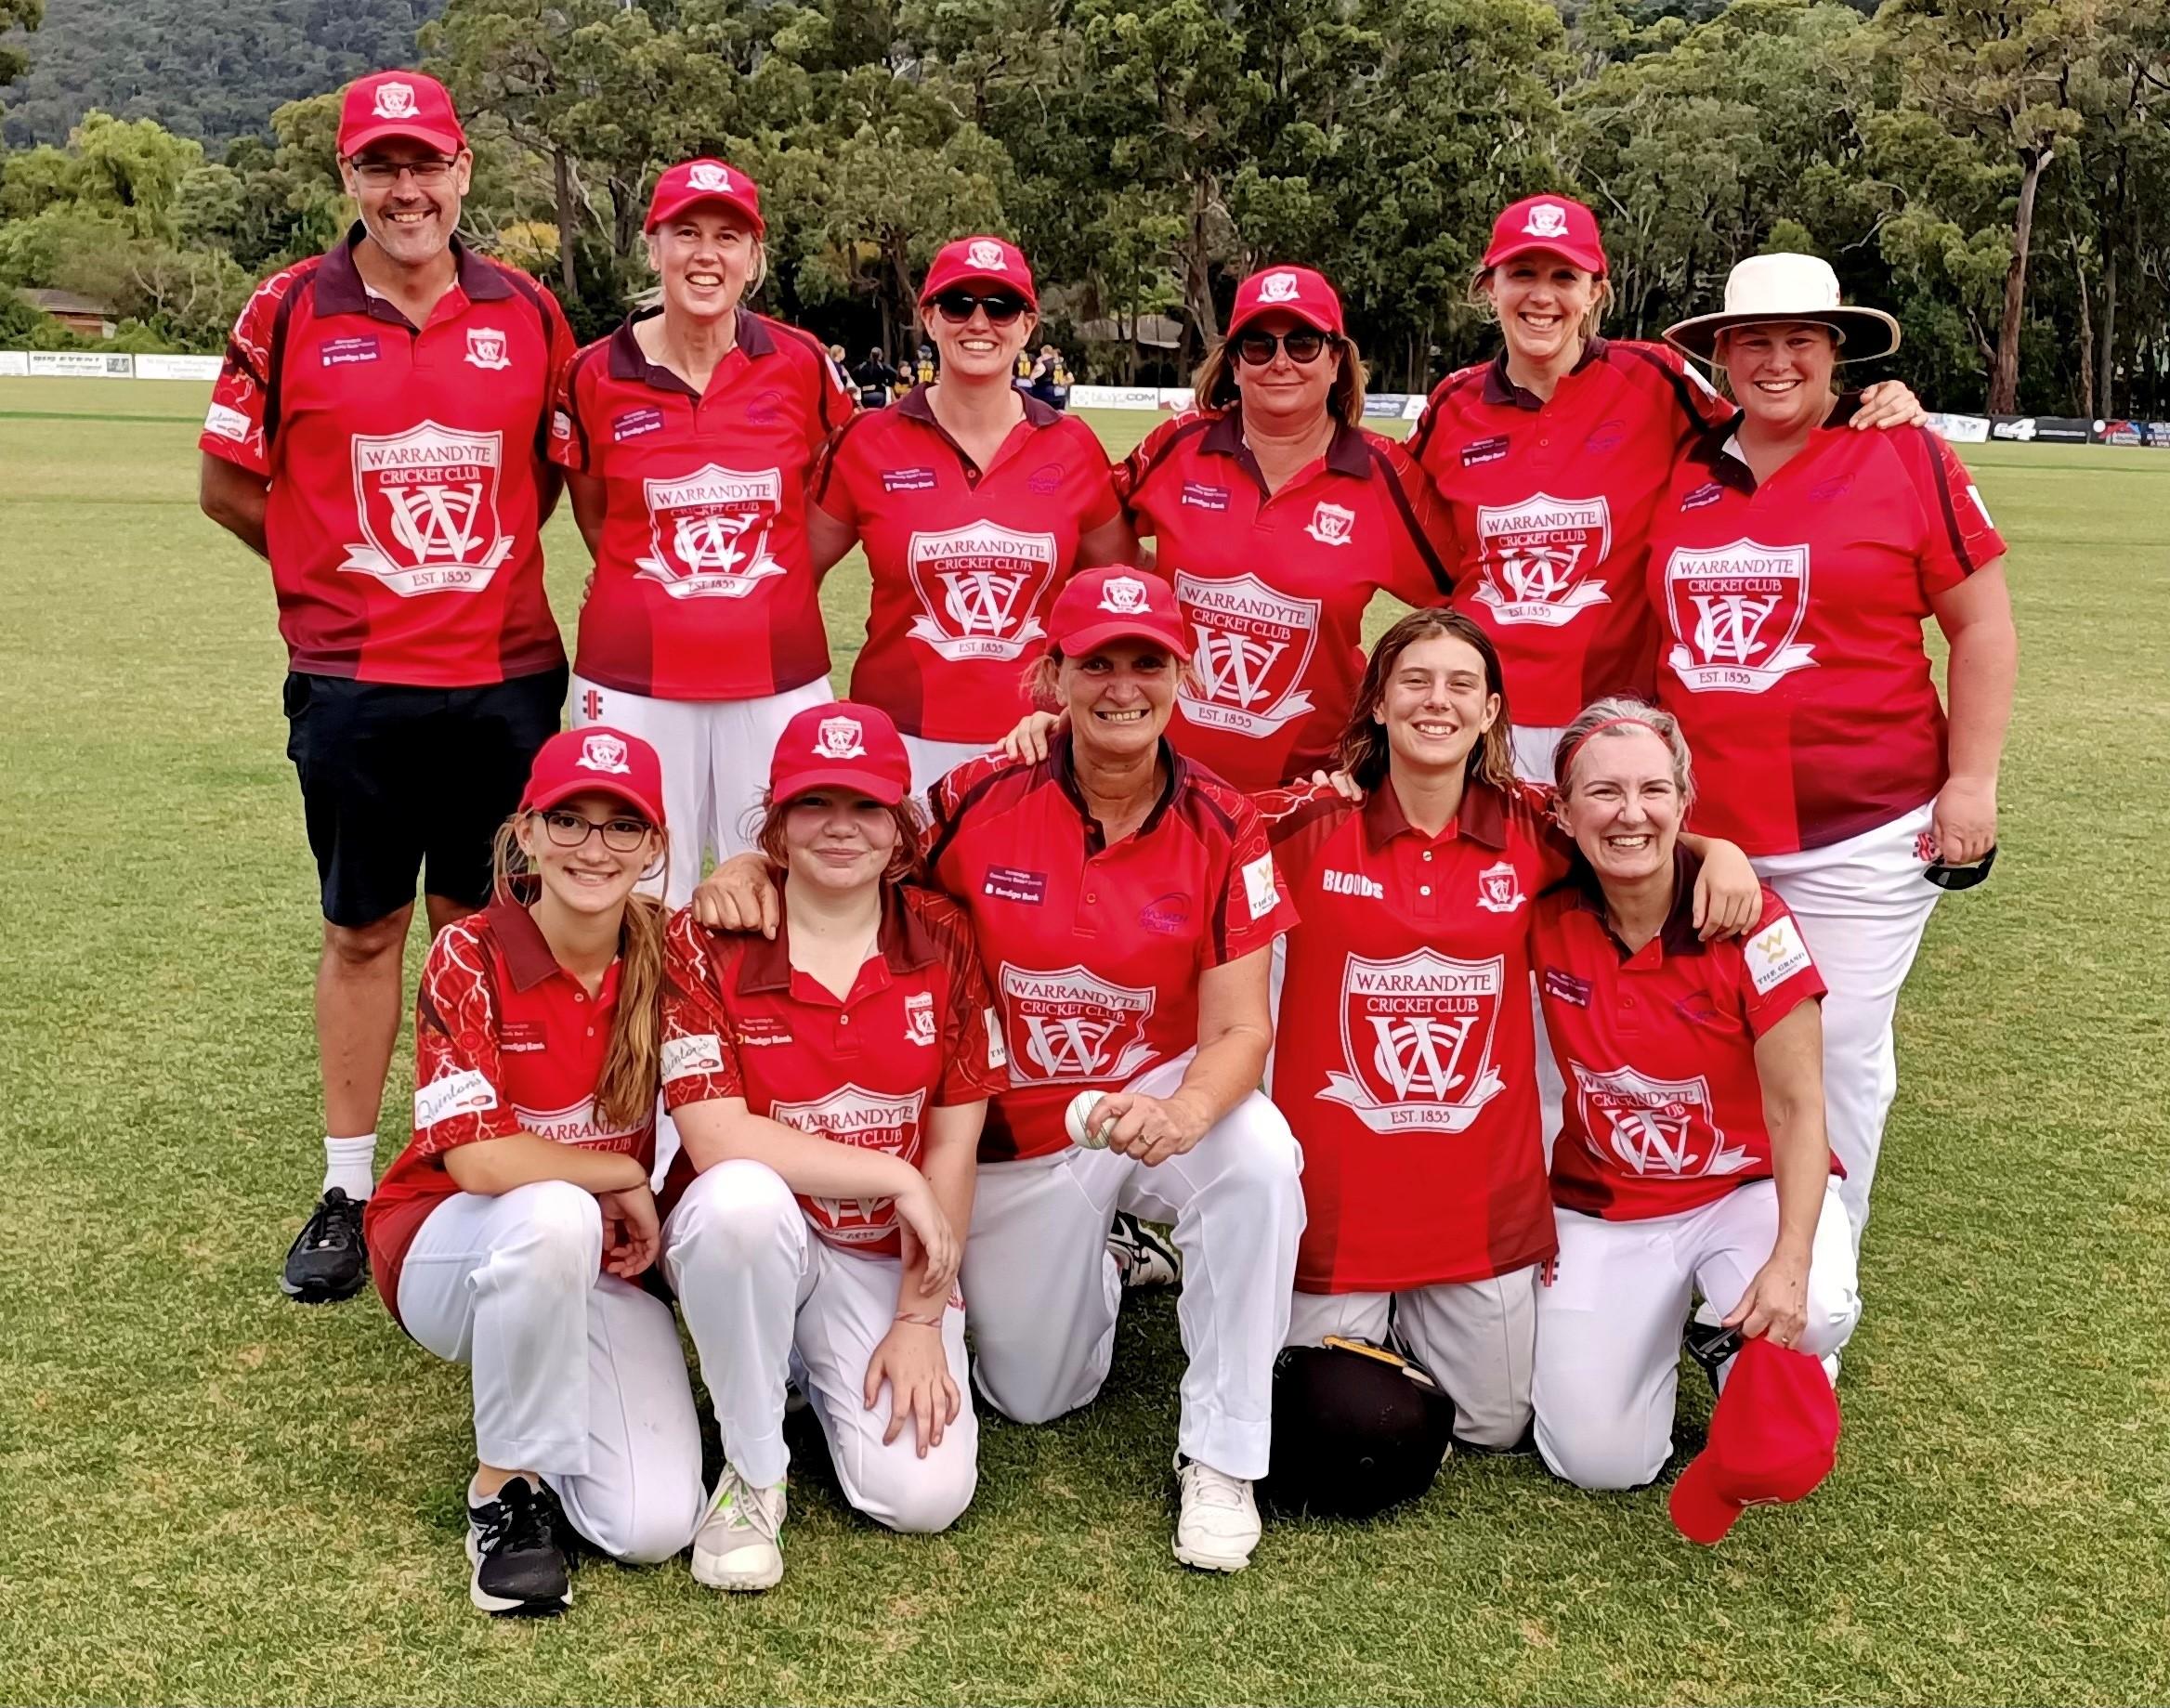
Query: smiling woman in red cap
[(1549, 458), (829, 1088), (688, 435), (973, 501), (1126, 905), (1277, 515), (509, 1236)]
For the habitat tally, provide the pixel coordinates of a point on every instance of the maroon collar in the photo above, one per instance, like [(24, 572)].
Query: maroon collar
[(1061, 765), (1678, 935), (906, 946), (629, 361), (1500, 391), (1712, 446), (1482, 817), (1347, 455), (340, 291), (915, 404), (520, 944)]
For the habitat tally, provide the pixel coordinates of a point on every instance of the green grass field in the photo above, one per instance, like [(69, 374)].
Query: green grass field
[(207, 1493)]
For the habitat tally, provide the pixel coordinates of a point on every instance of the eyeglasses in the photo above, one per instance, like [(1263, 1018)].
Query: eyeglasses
[(383, 172), (1304, 344), (956, 307), (1960, 877), (619, 835)]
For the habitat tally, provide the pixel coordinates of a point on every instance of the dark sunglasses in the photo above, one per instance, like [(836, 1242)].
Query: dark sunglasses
[(1960, 877), (955, 306), (1304, 344)]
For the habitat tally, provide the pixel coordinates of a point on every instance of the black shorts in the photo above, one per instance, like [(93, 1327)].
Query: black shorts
[(397, 780)]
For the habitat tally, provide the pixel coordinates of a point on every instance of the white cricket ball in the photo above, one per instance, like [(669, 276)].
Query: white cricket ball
[(1082, 1129)]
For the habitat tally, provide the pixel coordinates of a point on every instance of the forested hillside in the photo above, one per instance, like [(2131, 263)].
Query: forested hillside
[(208, 69)]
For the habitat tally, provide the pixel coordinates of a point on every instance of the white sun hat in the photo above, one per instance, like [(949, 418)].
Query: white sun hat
[(1784, 287)]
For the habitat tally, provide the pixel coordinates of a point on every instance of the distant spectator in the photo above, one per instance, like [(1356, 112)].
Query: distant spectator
[(876, 379)]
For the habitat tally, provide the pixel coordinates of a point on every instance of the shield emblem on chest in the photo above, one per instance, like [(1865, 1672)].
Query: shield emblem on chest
[(1734, 613), (1251, 644), (1541, 558), (1417, 1040), (979, 589), (1652, 1127), (709, 533), (427, 502), (1071, 1025)]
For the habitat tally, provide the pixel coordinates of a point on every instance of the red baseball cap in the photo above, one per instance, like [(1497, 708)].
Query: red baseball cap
[(691, 182), (1557, 224), (1292, 290), (398, 104), (1773, 1437), (599, 760), (982, 261), (844, 745), (1118, 602)]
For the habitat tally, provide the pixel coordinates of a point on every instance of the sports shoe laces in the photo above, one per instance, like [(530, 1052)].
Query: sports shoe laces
[(740, 1505), (528, 1517), (1212, 1488), (333, 1225)]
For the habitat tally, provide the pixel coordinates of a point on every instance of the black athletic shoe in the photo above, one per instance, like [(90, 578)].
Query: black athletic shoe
[(327, 1261), (514, 1541)]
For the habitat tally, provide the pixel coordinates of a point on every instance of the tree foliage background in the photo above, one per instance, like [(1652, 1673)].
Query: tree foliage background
[(1994, 172)]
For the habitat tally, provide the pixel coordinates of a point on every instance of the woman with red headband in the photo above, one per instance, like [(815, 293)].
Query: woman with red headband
[(1278, 515), (973, 501), (688, 435), (1548, 461), (1792, 567), (1693, 1160)]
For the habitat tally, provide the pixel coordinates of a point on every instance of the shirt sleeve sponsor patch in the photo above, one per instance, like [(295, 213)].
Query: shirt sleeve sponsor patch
[(560, 424), (1974, 492), (1258, 884), (463, 1092), (687, 1058), (1774, 954), (996, 1055), (228, 424)]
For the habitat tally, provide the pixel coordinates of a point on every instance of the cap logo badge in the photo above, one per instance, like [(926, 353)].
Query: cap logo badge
[(1332, 524), (839, 739), (1547, 219), (604, 753), (1124, 595), (486, 348), (1279, 288), (395, 100), (706, 175), (986, 256)]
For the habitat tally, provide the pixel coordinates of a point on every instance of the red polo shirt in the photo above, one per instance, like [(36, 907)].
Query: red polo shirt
[(965, 561), (1093, 952), (1551, 504), (402, 519), (1274, 587), (505, 1041), (914, 1033), (1791, 615), (1664, 1109), (1405, 1060), (704, 585)]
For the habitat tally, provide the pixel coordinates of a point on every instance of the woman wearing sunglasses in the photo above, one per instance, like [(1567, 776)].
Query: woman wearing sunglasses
[(973, 500), (688, 436), (1792, 565), (510, 1233)]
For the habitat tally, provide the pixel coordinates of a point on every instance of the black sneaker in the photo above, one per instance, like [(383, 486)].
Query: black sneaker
[(327, 1261), (1144, 1255), (520, 1570)]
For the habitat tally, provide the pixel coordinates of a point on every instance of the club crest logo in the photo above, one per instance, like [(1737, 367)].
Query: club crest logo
[(394, 101), (605, 753), (1279, 288), (1500, 887), (707, 176), (1547, 219), (1417, 1040), (427, 501), (1251, 645), (839, 739), (1331, 525), (871, 1121), (1536, 558), (709, 533), (1124, 595), (485, 349), (1652, 1127), (980, 587), (1072, 1027), (1734, 612), (986, 255), (918, 1018)]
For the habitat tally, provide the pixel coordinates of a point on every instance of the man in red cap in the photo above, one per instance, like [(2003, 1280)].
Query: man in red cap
[(1773, 1438), (379, 435)]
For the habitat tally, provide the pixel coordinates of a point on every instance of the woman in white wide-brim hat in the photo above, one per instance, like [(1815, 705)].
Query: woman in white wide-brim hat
[(1791, 564)]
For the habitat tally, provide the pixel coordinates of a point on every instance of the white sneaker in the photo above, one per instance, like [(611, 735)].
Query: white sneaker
[(1219, 1525), (736, 1547)]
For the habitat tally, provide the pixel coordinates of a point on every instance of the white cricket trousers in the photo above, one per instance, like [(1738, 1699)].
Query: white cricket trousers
[(1862, 905), (931, 761), (578, 1375), (1533, 763), (1610, 1322), (1044, 1292), (764, 1297), (1477, 1339), (715, 755)]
